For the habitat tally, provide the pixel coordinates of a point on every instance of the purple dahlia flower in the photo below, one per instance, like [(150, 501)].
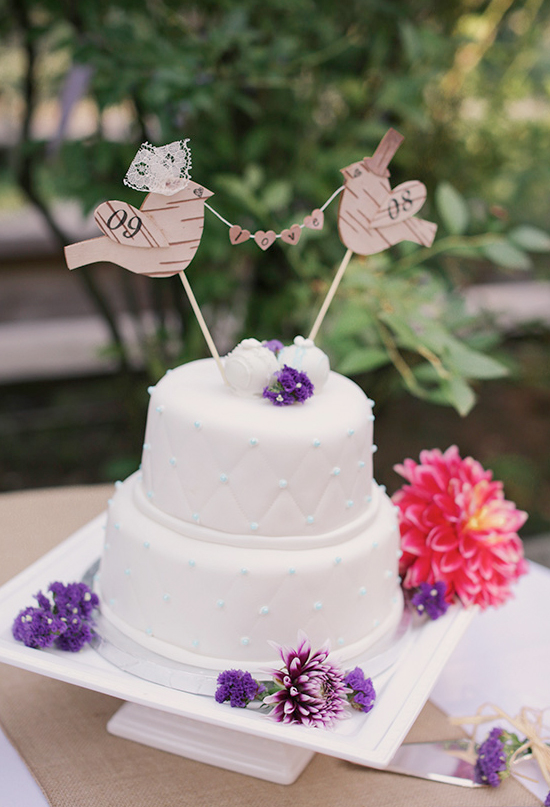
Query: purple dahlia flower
[(312, 690), (491, 760)]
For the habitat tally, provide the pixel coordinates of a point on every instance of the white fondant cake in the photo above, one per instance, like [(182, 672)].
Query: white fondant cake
[(249, 522)]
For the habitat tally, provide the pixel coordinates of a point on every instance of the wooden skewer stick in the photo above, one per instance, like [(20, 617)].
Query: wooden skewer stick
[(330, 294), (203, 326)]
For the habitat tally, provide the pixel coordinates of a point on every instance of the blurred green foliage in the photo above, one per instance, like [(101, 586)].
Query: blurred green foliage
[(277, 97)]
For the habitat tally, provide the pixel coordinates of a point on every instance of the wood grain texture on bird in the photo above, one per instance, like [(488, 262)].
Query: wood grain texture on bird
[(160, 239)]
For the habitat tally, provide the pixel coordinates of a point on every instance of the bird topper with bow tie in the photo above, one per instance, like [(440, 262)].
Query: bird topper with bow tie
[(161, 238)]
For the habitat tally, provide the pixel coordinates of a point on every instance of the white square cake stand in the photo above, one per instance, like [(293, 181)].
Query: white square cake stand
[(195, 726)]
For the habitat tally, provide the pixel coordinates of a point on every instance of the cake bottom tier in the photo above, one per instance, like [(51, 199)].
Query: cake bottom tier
[(215, 600)]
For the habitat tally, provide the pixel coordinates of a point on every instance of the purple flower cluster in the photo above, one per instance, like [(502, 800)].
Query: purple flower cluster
[(64, 620), (237, 687), (274, 345), (430, 599), (491, 760), (362, 696), (547, 800), (312, 691), (288, 386)]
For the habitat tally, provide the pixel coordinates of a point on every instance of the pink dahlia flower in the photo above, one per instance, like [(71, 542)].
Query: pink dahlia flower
[(457, 527), (312, 690)]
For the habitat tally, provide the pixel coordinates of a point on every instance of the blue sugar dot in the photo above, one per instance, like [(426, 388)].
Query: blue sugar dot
[(361, 463), (310, 519), (106, 545), (338, 560), (112, 601), (220, 603), (160, 409), (197, 424), (103, 526), (368, 499), (318, 606), (374, 544), (150, 494), (371, 418), (150, 390), (362, 591), (244, 570), (245, 641), (192, 563), (376, 623), (283, 483), (223, 477), (126, 571), (383, 488), (149, 631), (117, 526), (253, 526), (146, 544), (388, 573), (146, 446), (253, 441), (172, 461), (370, 401), (195, 516), (394, 600), (165, 597), (335, 471), (316, 443), (264, 610), (118, 484), (340, 640), (349, 503), (195, 642), (351, 432), (399, 553), (292, 570), (109, 502), (374, 448)]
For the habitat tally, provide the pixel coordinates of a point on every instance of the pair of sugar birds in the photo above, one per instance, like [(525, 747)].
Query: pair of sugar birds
[(161, 238)]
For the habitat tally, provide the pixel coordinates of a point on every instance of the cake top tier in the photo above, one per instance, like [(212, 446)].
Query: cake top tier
[(243, 466)]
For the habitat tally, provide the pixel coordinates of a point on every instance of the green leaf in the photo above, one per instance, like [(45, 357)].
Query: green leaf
[(505, 254), (459, 394), (470, 363), (530, 238), (362, 360), (452, 208)]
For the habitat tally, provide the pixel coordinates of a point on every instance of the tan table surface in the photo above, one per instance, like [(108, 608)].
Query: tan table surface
[(59, 729)]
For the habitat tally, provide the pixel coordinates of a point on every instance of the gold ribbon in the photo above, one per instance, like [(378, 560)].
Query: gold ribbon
[(528, 722)]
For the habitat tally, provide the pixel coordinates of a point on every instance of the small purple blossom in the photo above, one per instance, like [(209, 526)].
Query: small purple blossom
[(237, 687), (312, 691), (37, 628), (491, 760), (363, 695), (64, 620), (274, 345), (288, 386), (547, 800), (430, 599)]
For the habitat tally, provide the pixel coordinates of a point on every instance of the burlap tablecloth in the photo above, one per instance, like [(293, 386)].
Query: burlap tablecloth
[(59, 729)]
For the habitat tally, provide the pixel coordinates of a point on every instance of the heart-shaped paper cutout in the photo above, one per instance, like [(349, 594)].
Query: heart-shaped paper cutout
[(315, 221), (264, 240), (237, 235), (292, 234), (198, 191)]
